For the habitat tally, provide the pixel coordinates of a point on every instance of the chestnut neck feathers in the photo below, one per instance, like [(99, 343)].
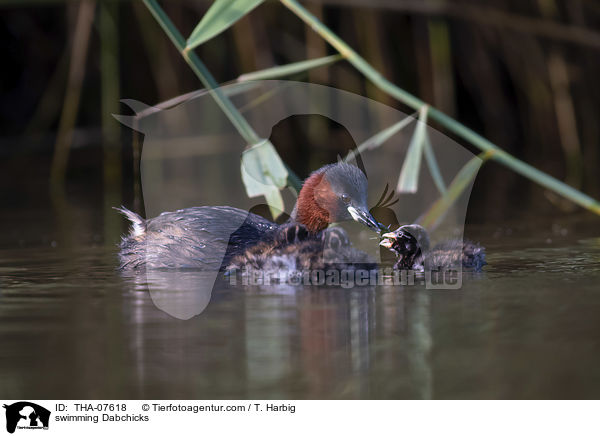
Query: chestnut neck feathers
[(309, 207)]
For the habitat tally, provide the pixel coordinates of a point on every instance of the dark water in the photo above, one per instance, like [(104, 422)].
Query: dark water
[(527, 327)]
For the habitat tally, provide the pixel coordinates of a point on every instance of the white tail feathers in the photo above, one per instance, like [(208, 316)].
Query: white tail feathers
[(138, 224)]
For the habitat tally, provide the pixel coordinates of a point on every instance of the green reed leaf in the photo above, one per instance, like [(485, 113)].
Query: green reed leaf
[(264, 173), (219, 17), (463, 178), (434, 169), (409, 175), (379, 138), (289, 69)]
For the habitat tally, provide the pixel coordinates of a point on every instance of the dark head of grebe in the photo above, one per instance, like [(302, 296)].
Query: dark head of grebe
[(334, 193), (209, 237), (411, 245)]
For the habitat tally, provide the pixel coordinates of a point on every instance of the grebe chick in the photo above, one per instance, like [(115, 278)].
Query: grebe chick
[(292, 248), (411, 244)]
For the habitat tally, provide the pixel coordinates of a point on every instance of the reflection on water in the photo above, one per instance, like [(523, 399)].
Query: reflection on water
[(528, 327), (181, 294)]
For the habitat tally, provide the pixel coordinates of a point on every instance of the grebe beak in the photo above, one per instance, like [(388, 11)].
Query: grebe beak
[(364, 217), (388, 239)]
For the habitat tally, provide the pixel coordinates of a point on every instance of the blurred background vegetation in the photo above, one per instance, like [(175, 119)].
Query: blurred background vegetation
[(521, 73)]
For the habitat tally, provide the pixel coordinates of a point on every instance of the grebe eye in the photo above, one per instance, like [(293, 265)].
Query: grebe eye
[(346, 198)]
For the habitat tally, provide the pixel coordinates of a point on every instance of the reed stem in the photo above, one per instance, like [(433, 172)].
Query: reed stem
[(452, 125), (210, 83)]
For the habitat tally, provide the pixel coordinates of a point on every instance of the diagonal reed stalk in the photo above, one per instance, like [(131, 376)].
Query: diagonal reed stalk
[(444, 120), (202, 72), (239, 122), (227, 13)]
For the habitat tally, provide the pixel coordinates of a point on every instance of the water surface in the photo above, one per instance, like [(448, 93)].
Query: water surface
[(527, 327)]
